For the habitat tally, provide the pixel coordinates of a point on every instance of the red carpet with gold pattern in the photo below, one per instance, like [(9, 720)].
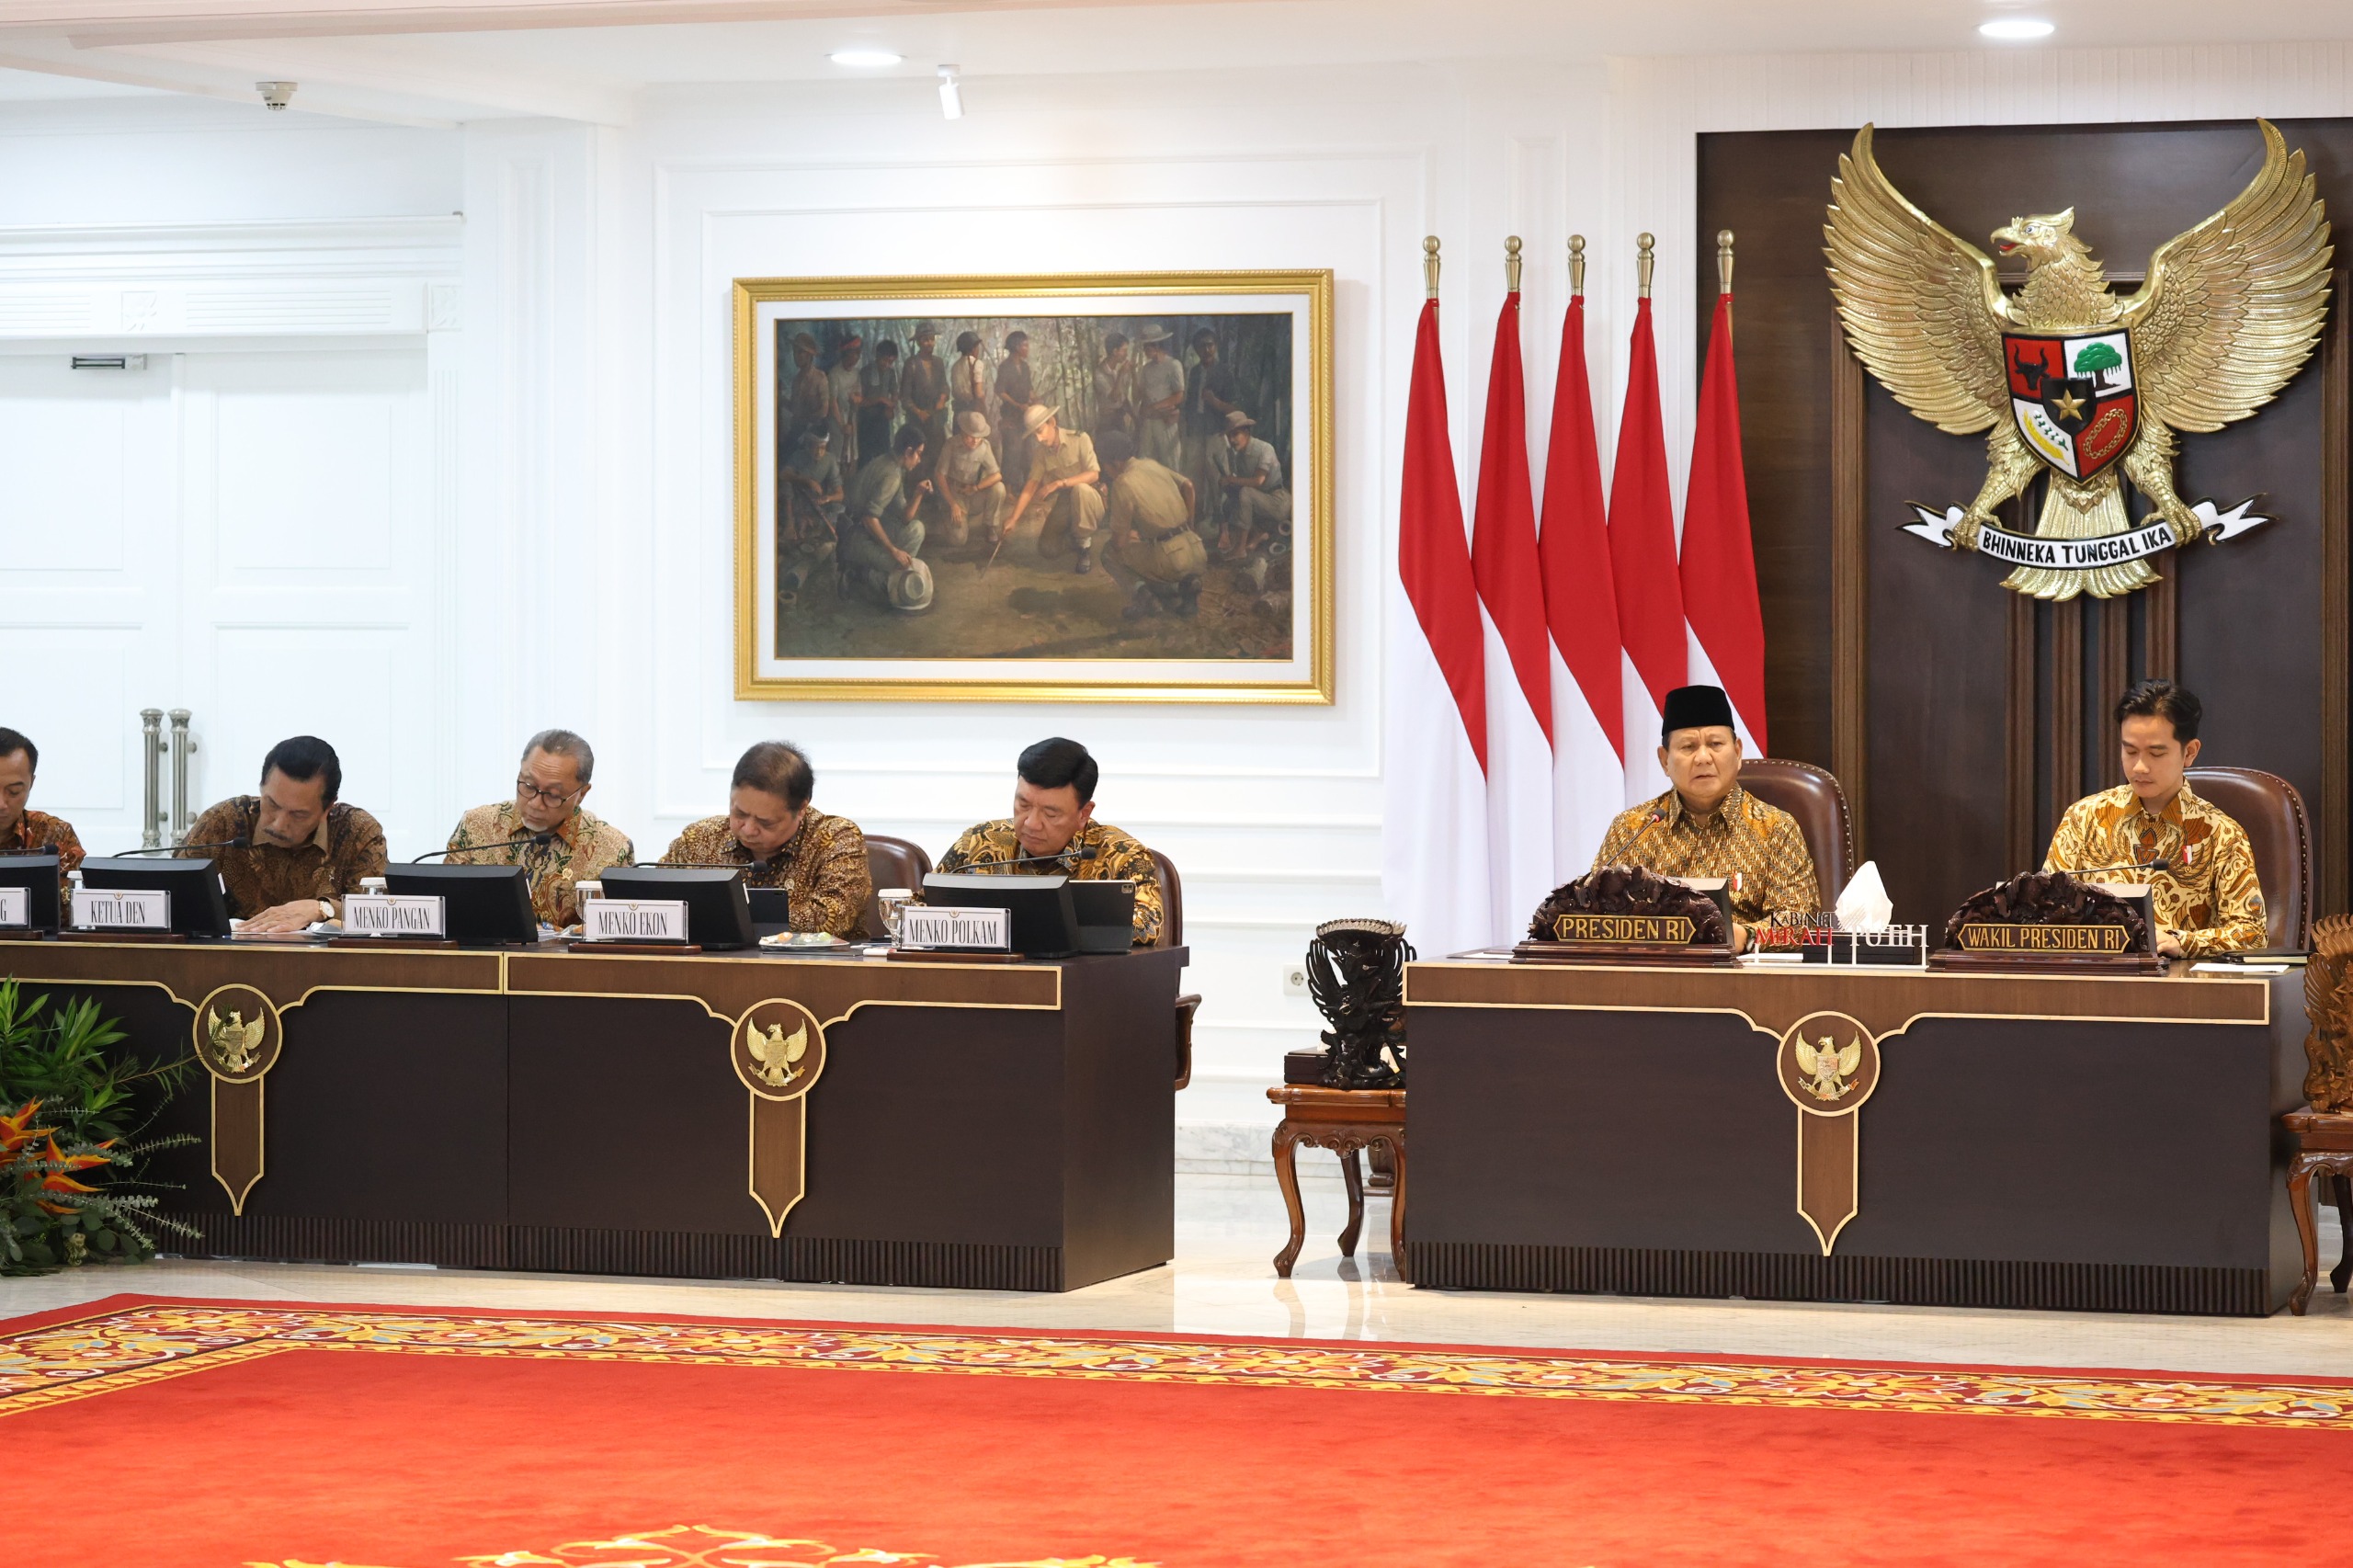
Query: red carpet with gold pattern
[(274, 1435)]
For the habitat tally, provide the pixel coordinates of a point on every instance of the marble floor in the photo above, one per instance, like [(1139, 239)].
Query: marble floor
[(1221, 1282)]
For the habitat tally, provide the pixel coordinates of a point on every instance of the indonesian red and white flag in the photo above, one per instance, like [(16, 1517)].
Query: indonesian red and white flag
[(1642, 553), (1434, 858), (1519, 652), (1581, 610), (1719, 561)]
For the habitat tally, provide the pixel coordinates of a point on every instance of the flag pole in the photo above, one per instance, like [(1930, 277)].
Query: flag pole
[(1576, 266), (1511, 264), (1643, 262), (1724, 271), (1429, 263)]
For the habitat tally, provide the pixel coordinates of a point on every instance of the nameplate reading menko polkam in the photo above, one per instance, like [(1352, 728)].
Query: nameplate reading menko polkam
[(634, 920), (1995, 938), (395, 914), (1646, 929), (985, 930), (121, 909)]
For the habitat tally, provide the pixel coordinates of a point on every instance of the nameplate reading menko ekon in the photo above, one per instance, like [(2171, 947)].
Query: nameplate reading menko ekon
[(634, 920), (1998, 938), (1646, 929)]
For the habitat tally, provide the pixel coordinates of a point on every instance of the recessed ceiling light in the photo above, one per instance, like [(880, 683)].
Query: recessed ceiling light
[(875, 59), (2010, 30)]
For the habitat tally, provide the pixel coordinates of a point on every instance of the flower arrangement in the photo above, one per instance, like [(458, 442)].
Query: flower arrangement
[(72, 1113)]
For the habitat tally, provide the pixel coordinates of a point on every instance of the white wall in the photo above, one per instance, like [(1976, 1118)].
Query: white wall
[(590, 395)]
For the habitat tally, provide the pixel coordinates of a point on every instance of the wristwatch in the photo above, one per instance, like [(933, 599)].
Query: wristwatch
[(327, 909)]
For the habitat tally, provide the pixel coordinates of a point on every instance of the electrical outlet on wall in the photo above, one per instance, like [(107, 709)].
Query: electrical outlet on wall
[(1294, 980)]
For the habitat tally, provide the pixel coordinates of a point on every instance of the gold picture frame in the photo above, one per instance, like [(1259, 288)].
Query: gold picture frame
[(849, 644)]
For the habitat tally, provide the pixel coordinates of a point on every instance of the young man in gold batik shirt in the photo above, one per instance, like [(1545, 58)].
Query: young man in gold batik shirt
[(1053, 824), (2206, 898), (303, 847), (568, 843), (1707, 826), (24, 831), (782, 841)]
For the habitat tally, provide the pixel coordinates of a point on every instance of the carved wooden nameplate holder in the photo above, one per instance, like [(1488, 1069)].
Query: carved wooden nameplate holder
[(1627, 914), (2049, 921)]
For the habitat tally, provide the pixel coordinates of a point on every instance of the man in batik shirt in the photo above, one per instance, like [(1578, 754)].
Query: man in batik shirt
[(782, 841), (567, 843), (24, 831), (1707, 826), (1053, 825), (2206, 898), (299, 846)]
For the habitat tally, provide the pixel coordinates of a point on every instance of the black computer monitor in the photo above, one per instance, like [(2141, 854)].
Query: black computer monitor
[(199, 909), (718, 914), (1107, 915), (482, 905), (37, 874), (1044, 925)]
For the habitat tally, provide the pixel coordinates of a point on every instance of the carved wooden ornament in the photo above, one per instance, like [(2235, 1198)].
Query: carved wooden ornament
[(238, 1035), (779, 1050), (1829, 1064)]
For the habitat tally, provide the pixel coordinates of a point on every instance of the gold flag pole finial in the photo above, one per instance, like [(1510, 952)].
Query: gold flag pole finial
[(1576, 265), (1644, 261), (1723, 261), (1511, 264), (1429, 263)]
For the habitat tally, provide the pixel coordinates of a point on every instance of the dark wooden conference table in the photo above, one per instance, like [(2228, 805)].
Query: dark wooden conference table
[(985, 1126), (2033, 1140)]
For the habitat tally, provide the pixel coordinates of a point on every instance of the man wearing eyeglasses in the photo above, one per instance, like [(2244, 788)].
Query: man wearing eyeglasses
[(563, 844)]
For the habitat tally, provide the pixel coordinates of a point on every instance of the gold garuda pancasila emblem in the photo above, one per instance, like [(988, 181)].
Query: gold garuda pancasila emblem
[(237, 1044), (2071, 378), (779, 1054), (1829, 1071)]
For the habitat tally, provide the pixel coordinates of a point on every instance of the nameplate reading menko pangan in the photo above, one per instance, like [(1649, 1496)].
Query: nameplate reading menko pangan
[(121, 909), (1649, 930), (1995, 938), (634, 920), (395, 914)]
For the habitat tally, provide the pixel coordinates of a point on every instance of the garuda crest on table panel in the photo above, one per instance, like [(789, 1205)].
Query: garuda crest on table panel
[(2070, 378)]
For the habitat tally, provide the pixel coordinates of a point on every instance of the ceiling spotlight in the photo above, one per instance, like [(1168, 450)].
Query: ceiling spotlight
[(865, 58), (2015, 30), (951, 95), (277, 94)]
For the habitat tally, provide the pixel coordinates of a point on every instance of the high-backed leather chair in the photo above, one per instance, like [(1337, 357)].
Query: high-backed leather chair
[(1172, 934), (2272, 812), (1812, 795), (890, 863)]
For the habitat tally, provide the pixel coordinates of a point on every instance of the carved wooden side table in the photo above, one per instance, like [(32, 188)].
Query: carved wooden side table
[(1345, 1121), (2323, 1143)]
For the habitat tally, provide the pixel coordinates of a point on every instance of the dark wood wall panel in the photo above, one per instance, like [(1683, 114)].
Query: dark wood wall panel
[(1909, 666)]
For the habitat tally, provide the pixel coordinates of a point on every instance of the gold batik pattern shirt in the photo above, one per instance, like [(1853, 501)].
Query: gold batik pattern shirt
[(1118, 858), (1758, 848), (36, 831), (2209, 898), (349, 844), (822, 866), (582, 845)]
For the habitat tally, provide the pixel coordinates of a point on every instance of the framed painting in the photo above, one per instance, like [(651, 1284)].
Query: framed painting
[(1107, 488)]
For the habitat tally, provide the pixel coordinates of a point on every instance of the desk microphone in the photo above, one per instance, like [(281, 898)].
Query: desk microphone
[(469, 849), (1037, 861), (183, 848)]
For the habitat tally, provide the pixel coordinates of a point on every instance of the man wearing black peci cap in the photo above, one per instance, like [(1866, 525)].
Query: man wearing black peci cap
[(1707, 826)]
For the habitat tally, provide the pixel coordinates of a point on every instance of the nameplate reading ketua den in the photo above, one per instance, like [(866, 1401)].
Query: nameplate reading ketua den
[(123, 909)]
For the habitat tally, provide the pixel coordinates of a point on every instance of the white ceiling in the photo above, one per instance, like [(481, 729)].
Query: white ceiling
[(450, 61)]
